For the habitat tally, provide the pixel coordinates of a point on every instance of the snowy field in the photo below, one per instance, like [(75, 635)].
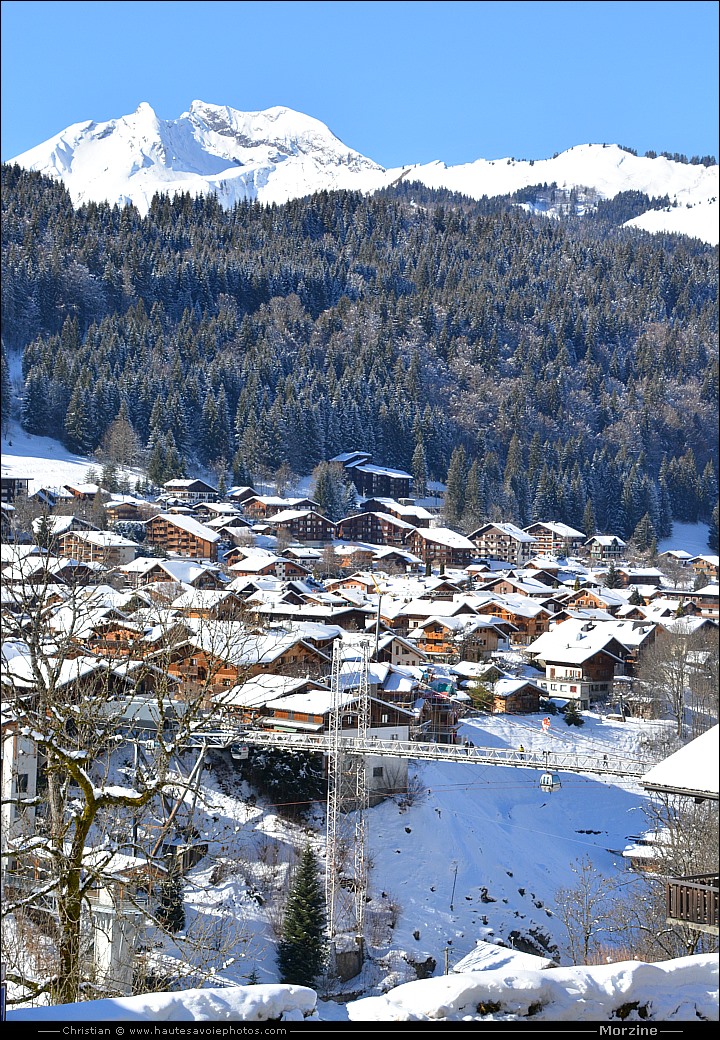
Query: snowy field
[(478, 855)]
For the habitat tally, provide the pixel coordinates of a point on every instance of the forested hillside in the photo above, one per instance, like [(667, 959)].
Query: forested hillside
[(551, 369)]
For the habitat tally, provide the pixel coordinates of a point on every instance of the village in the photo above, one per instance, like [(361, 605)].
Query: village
[(242, 612)]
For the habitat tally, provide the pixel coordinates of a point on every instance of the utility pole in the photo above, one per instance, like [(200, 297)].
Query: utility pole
[(347, 794)]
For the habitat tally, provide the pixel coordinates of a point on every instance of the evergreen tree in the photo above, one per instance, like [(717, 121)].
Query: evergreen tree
[(302, 950), (4, 390), (77, 426), (333, 491), (713, 531), (588, 524), (419, 471), (644, 538), (456, 482), (171, 912), (573, 716), (612, 578)]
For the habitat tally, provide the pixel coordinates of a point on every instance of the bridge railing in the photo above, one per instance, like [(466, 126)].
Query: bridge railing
[(546, 760)]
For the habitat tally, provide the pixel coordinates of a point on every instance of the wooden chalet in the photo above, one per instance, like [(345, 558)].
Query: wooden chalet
[(147, 570), (690, 773), (706, 564), (112, 550), (221, 655), (441, 546), (12, 488), (556, 539), (191, 491), (373, 481), (595, 599), (83, 492), (580, 660), (504, 542), (407, 511), (376, 528), (240, 495), (605, 548), (303, 525), (183, 535), (263, 507), (516, 697), (528, 618)]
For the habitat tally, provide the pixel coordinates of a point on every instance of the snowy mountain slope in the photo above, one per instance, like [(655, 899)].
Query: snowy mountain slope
[(278, 154), (272, 156)]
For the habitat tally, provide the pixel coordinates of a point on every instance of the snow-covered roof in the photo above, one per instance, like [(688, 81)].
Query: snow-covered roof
[(509, 530), (189, 524), (558, 528), (446, 536), (692, 771)]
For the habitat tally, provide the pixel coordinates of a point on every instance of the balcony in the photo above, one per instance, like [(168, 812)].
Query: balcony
[(694, 901)]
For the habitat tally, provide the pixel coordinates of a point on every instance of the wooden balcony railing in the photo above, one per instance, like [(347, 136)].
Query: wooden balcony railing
[(694, 901)]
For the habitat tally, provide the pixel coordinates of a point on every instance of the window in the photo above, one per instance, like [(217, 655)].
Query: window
[(377, 771), (384, 718), (22, 783)]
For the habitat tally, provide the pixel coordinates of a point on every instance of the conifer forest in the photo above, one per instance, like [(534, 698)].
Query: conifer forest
[(542, 368)]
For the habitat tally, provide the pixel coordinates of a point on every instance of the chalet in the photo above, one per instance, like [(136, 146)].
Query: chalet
[(529, 618), (351, 458), (182, 535), (219, 604), (218, 655), (639, 576), (516, 697), (373, 481), (441, 546), (104, 547), (245, 704), (707, 599), (239, 495), (407, 511), (580, 660), (50, 497), (145, 570), (262, 507), (262, 562), (303, 525), (599, 598), (556, 539), (459, 637), (393, 559), (507, 585), (83, 492), (191, 491), (691, 772), (49, 528), (128, 509), (376, 528), (504, 542), (605, 547), (706, 564), (12, 488), (393, 649)]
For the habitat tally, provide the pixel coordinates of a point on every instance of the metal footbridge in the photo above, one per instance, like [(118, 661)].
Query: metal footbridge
[(545, 760)]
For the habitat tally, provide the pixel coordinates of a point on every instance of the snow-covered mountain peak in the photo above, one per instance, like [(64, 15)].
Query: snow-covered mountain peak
[(279, 154)]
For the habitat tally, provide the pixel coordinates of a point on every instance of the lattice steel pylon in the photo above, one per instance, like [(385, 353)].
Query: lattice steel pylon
[(346, 877)]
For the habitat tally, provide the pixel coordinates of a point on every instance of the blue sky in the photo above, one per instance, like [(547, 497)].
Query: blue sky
[(401, 82)]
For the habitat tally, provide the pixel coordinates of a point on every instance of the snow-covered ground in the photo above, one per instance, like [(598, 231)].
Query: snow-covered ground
[(682, 990), (479, 854), (46, 462)]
